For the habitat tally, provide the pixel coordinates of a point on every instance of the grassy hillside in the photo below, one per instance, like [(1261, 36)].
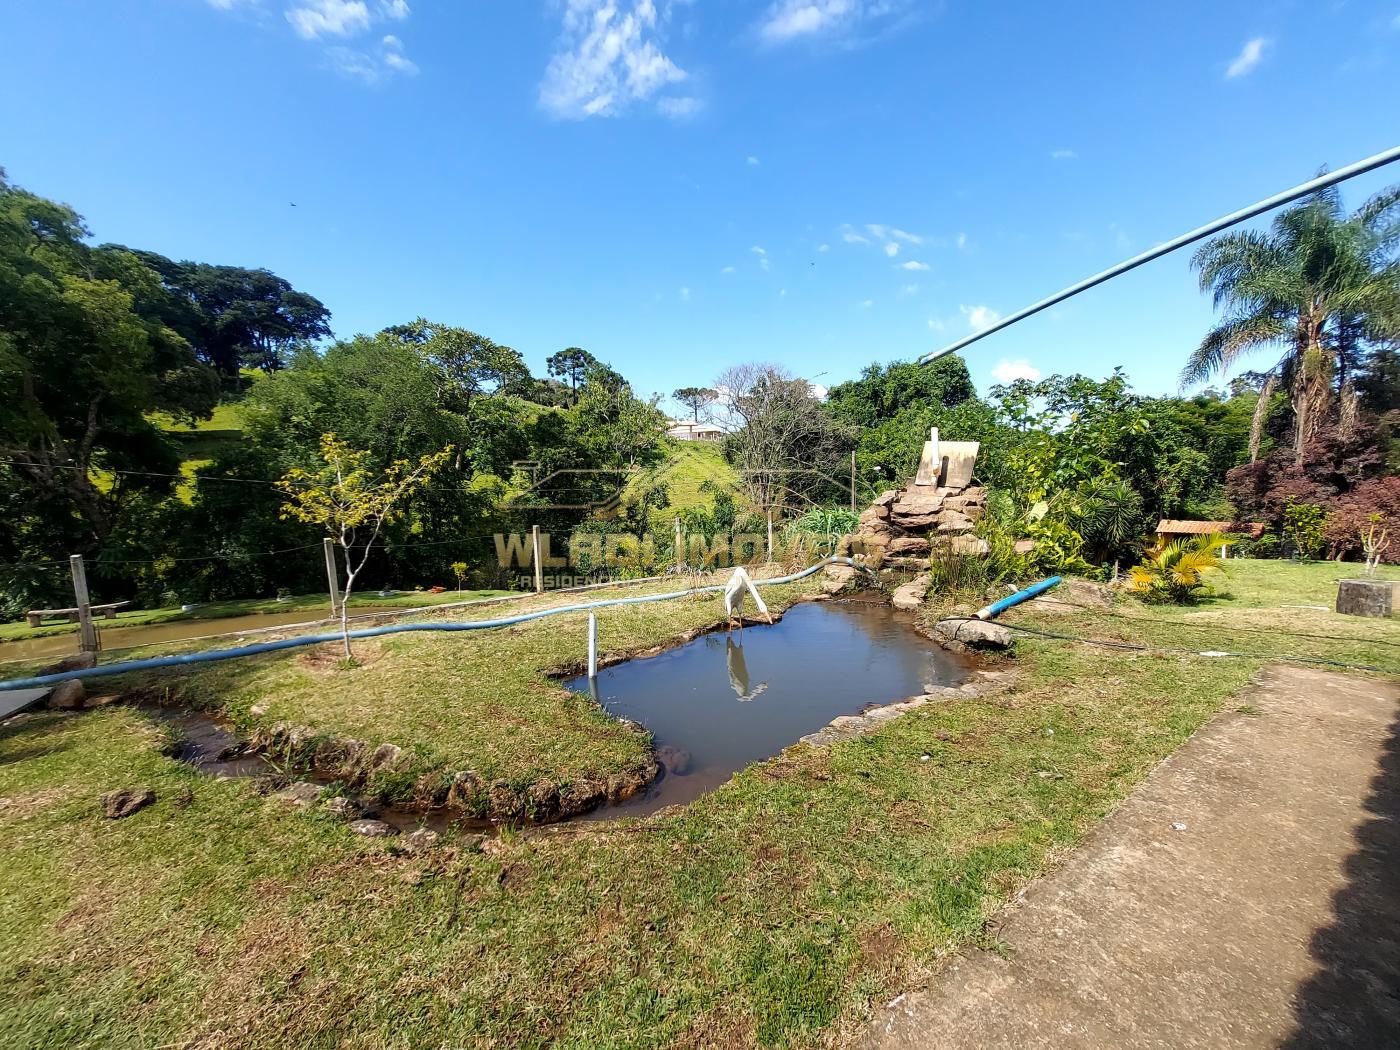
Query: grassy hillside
[(689, 465), (202, 442)]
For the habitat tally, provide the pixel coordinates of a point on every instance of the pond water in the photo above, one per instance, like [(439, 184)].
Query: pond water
[(57, 646), (729, 699)]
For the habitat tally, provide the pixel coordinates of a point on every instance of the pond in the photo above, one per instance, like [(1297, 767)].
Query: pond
[(729, 699)]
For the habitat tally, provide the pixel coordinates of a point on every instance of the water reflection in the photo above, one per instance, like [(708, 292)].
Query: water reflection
[(821, 660), (739, 668)]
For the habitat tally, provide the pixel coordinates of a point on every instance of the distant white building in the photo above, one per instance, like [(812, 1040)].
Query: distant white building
[(690, 430)]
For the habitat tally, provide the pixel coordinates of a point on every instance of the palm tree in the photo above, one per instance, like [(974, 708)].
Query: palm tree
[(1319, 283)]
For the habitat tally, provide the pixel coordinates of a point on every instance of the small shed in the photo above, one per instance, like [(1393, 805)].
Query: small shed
[(1169, 529)]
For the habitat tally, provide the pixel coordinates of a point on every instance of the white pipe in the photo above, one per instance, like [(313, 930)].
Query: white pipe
[(592, 645), (1311, 186)]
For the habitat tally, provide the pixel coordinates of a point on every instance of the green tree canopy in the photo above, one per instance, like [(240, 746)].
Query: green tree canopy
[(82, 369), (234, 317)]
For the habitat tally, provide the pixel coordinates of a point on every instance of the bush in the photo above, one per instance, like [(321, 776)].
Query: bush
[(1175, 573), (1304, 527), (1353, 512)]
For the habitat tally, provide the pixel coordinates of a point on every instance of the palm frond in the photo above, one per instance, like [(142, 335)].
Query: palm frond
[(1229, 341), (1261, 415)]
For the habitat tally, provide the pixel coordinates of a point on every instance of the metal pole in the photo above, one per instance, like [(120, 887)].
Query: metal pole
[(539, 562), (853, 481), (770, 535), (680, 552), (332, 577), (1200, 232), (592, 645), (87, 633)]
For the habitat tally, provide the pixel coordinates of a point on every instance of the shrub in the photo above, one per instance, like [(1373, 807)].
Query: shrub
[(1353, 513), (1175, 573), (1304, 527)]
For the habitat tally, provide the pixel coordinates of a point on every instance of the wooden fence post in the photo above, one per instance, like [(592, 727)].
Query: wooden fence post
[(332, 577), (87, 633), (539, 562)]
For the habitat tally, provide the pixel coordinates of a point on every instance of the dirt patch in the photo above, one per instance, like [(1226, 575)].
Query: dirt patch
[(330, 658)]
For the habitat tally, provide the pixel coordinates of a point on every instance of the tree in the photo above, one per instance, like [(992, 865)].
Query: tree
[(465, 364), (234, 317), (82, 369), (695, 398), (352, 501), (1320, 284), (789, 449), (572, 366), (615, 421)]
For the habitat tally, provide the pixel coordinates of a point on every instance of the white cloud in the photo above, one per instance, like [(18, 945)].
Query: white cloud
[(1009, 371), (759, 250), (395, 59), (913, 264), (935, 325), (905, 236), (609, 57), (823, 247), (892, 249), (395, 9), (685, 295), (851, 237), (753, 162), (679, 108), (727, 269), (818, 391), (782, 293), (372, 67), (909, 289), (329, 18), (762, 257), (980, 317), (961, 241), (868, 303), (788, 20), (1064, 154), (1250, 56)]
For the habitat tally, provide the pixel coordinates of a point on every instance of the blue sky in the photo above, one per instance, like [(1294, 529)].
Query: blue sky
[(681, 185)]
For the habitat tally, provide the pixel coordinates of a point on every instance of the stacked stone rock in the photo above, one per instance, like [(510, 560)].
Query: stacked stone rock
[(907, 523)]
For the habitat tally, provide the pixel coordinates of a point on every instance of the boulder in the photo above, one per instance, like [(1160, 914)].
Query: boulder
[(954, 521), (906, 545), (385, 757), (76, 662), (303, 793), (125, 802), (871, 515), (885, 498), (916, 510), (974, 496), (1368, 597), (676, 760), (67, 696), (839, 577), (344, 807), (966, 544), (373, 829), (418, 841), (974, 634), (911, 595)]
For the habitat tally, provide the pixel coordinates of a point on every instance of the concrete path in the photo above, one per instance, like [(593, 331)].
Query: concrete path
[(1271, 920)]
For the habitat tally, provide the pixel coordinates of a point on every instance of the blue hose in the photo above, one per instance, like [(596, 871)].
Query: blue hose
[(157, 662), (991, 612)]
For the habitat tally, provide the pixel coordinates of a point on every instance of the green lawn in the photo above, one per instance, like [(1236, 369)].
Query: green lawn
[(201, 443), (313, 604), (773, 911)]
